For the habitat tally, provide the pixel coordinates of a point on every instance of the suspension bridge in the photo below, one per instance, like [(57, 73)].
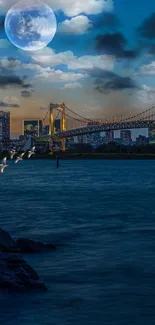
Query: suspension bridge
[(144, 119)]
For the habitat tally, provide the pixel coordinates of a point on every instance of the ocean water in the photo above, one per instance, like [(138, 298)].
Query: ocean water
[(104, 214)]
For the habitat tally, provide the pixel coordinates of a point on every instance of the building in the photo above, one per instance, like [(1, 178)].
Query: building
[(141, 140), (109, 136), (4, 126), (22, 137), (151, 134), (32, 128), (45, 130), (125, 136)]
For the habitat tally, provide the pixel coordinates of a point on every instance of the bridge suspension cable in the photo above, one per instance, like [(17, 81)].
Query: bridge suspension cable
[(83, 118), (79, 118)]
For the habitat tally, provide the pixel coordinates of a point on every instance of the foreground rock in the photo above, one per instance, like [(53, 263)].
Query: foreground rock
[(16, 275), (30, 246), (7, 243)]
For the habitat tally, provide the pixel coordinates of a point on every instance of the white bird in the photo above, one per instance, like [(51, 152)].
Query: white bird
[(31, 152), (19, 158), (3, 165), (12, 153)]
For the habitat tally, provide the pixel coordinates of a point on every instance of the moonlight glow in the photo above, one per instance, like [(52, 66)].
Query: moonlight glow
[(30, 25)]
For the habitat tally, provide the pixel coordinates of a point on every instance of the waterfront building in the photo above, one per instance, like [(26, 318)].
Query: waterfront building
[(109, 136), (125, 136), (32, 128), (4, 126), (141, 140)]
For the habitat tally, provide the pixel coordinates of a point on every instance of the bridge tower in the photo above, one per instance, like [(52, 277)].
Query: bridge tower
[(51, 119), (63, 124), (51, 125), (61, 109)]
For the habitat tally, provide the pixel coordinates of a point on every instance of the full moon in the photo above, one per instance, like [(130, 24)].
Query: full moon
[(30, 25)]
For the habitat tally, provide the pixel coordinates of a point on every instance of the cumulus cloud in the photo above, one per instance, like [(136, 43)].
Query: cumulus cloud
[(10, 101), (70, 7), (48, 57), (56, 76), (146, 95), (41, 73), (147, 69), (77, 25)]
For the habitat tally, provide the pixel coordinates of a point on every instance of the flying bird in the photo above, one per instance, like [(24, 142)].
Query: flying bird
[(3, 165), (12, 153), (31, 152), (20, 157)]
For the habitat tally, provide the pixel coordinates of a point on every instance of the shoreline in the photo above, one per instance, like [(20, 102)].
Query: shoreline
[(88, 156), (100, 156)]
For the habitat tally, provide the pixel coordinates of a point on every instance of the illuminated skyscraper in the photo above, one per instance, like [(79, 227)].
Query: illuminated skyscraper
[(32, 127), (4, 126)]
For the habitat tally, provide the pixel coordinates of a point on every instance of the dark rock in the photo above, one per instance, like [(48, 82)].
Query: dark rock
[(16, 275), (7, 243), (31, 246)]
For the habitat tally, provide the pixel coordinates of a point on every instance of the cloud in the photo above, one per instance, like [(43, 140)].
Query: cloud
[(70, 7), (147, 69), (147, 28), (114, 44), (26, 93), (48, 57), (146, 95), (73, 85), (109, 81), (12, 81), (108, 20), (56, 76), (77, 25), (41, 73), (7, 104)]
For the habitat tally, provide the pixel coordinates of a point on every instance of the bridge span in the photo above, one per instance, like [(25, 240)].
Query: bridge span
[(101, 128)]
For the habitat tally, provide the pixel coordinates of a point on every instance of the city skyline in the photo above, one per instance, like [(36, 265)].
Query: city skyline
[(101, 63)]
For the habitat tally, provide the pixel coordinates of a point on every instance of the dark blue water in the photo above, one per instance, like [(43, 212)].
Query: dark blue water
[(104, 213)]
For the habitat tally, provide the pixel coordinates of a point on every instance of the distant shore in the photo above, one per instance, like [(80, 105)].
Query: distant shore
[(96, 156), (90, 156)]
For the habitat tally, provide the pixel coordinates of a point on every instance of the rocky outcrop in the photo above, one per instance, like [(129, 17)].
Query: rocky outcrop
[(30, 246), (17, 276), (7, 243)]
